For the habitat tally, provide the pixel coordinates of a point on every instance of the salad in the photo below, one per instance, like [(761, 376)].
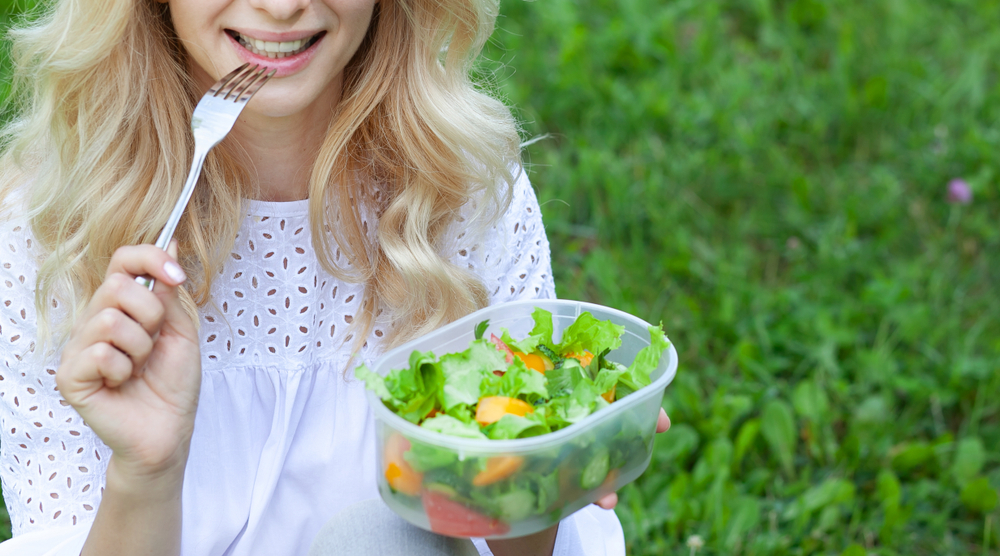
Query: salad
[(502, 388)]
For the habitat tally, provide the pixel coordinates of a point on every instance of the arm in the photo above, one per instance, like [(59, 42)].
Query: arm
[(132, 369), (57, 479), (140, 512)]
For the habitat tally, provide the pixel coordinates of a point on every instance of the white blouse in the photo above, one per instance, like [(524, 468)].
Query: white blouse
[(282, 440)]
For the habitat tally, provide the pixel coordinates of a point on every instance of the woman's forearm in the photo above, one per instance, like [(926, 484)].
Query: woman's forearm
[(538, 544), (139, 514)]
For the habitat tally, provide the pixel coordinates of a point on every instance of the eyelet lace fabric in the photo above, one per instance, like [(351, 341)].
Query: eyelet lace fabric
[(280, 432)]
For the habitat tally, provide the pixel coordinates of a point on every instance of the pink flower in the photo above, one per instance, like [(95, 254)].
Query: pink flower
[(959, 192)]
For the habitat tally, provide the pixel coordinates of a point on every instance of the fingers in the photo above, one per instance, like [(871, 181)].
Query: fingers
[(120, 291), (114, 337), (608, 502), (117, 329), (148, 260), (663, 422), (95, 367)]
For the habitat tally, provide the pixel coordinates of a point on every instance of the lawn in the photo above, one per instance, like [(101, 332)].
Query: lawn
[(769, 178)]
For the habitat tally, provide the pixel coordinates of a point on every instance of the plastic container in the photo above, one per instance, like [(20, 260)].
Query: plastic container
[(554, 474)]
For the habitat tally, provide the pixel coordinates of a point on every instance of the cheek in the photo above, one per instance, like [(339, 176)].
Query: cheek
[(355, 16), (192, 20)]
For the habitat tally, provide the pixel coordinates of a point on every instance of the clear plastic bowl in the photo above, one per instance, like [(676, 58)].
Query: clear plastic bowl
[(556, 473)]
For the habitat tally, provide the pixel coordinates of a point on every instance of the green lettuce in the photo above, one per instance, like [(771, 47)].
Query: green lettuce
[(540, 334), (637, 374), (514, 426), (588, 333), (446, 424), (464, 373)]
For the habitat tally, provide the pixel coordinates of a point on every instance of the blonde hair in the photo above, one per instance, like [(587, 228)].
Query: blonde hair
[(105, 103)]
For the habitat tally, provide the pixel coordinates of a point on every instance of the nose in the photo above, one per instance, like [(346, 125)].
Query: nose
[(281, 9)]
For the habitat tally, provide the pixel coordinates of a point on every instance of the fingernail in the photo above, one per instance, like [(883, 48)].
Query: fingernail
[(174, 271)]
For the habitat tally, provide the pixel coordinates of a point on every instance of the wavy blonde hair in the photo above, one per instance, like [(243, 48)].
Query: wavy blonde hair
[(105, 103)]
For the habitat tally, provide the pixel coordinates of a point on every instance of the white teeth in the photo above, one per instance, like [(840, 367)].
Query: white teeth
[(271, 49)]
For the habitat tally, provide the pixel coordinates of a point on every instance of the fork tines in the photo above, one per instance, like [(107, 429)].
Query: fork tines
[(242, 83)]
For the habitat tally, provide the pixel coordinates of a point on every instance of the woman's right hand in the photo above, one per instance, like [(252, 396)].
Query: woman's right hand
[(132, 365)]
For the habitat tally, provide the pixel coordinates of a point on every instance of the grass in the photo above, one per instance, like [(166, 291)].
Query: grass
[(768, 179)]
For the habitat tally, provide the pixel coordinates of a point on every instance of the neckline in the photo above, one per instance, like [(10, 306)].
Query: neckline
[(278, 208)]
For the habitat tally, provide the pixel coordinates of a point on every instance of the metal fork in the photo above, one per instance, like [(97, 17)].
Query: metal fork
[(212, 120)]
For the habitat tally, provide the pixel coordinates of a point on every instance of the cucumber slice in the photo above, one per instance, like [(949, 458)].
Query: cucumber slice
[(596, 470), (516, 504), (443, 488)]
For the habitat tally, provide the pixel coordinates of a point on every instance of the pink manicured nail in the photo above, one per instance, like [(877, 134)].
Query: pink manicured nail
[(174, 271)]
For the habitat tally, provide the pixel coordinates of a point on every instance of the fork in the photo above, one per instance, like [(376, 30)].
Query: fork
[(212, 120)]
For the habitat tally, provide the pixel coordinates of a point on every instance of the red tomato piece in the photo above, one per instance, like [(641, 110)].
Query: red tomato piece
[(448, 517), (508, 353)]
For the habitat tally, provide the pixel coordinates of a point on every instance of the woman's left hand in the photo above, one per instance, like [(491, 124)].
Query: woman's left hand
[(662, 425)]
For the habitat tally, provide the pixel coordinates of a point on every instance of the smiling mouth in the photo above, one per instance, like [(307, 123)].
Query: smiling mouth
[(274, 49)]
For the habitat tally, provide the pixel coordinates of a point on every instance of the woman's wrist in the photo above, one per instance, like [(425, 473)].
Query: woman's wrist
[(162, 480), (140, 511), (541, 543)]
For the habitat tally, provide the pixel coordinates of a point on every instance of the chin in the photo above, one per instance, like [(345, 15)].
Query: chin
[(277, 105)]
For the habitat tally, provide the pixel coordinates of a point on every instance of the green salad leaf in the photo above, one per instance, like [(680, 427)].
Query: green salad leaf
[(588, 333), (514, 426), (648, 358), (463, 373), (446, 424)]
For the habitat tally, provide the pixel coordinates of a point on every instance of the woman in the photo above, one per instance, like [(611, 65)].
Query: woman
[(368, 194)]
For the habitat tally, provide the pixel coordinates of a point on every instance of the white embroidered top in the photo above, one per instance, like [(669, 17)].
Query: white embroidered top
[(282, 441)]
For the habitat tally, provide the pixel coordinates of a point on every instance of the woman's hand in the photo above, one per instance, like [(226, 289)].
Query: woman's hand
[(132, 365), (611, 500)]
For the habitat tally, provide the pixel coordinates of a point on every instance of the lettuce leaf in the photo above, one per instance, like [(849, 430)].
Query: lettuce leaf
[(373, 382), (564, 378), (648, 358), (446, 424), (414, 390), (541, 333), (464, 373), (514, 426), (518, 382), (588, 333)]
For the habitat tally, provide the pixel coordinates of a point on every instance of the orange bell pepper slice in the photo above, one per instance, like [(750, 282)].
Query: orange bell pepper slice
[(584, 359), (609, 396), (531, 361), (497, 468), (492, 408), (398, 473)]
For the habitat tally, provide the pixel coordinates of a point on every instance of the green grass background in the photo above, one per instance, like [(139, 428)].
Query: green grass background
[(768, 179)]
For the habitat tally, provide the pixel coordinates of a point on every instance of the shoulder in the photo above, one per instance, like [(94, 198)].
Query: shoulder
[(511, 256)]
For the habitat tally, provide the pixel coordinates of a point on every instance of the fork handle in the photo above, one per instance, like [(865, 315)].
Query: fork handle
[(175, 215)]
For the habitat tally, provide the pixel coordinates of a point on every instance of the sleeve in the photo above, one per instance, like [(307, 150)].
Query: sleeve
[(512, 257), (52, 465), (515, 262)]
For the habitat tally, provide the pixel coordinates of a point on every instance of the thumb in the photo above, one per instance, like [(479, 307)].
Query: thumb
[(172, 249)]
